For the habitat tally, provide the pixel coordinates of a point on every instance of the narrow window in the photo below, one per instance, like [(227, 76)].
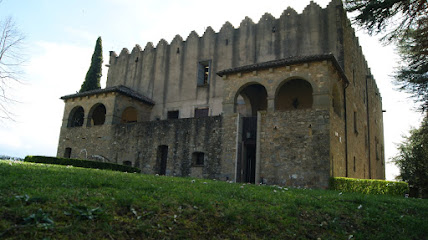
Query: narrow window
[(355, 168), (201, 112), (173, 114), (355, 123), (204, 73), (67, 153), (198, 159), (377, 148)]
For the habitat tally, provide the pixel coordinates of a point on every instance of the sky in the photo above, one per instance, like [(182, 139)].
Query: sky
[(61, 36)]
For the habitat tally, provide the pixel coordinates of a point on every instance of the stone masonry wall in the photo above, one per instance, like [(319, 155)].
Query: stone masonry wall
[(295, 148)]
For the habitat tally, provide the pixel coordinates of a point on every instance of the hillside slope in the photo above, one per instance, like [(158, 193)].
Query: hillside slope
[(47, 201)]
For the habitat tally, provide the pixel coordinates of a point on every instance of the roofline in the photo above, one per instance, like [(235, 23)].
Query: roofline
[(286, 62), (119, 89)]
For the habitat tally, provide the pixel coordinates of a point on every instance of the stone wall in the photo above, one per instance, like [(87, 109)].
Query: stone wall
[(138, 143), (364, 101), (168, 73), (295, 148)]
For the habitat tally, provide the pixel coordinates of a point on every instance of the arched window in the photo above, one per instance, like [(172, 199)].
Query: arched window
[(76, 117), (97, 115), (294, 94), (129, 115), (251, 99)]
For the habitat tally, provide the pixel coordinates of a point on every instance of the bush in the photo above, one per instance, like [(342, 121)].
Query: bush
[(80, 163), (368, 186)]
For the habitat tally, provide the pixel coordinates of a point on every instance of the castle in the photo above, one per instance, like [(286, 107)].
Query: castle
[(287, 101)]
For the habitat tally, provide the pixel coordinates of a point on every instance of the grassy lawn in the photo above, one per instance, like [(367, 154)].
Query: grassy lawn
[(40, 201)]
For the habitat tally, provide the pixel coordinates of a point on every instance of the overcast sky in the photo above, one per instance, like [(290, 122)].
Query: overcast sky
[(61, 35)]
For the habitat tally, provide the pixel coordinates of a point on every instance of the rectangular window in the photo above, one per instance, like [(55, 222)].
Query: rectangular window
[(201, 112), (173, 114), (204, 68)]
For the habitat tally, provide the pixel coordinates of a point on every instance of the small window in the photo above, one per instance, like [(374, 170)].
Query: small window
[(173, 114), (198, 159), (127, 163), (204, 73), (201, 112), (67, 153)]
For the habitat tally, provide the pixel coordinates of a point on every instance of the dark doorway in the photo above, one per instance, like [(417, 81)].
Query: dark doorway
[(162, 159), (246, 165), (67, 153)]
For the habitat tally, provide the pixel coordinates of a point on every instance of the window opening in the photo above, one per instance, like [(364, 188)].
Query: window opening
[(355, 168), (201, 112), (294, 94), (355, 123), (98, 115), (129, 115), (198, 159), (204, 73), (127, 163), (76, 117), (173, 114)]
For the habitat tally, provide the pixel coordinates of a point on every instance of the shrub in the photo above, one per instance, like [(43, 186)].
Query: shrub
[(368, 186), (80, 163)]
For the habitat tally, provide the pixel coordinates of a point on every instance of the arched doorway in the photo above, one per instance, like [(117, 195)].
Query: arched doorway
[(249, 100), (294, 94)]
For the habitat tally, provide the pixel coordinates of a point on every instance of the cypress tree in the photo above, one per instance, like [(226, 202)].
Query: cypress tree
[(92, 79)]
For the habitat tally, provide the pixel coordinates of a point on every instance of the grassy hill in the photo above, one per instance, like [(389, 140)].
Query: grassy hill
[(40, 201)]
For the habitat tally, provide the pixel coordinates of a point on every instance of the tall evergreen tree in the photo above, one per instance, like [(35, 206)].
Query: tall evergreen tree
[(92, 79)]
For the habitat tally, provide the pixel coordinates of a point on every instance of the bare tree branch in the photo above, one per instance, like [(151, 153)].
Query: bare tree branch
[(11, 61)]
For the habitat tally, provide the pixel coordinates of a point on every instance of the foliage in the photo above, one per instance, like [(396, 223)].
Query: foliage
[(413, 74), (368, 186), (11, 60), (412, 160), (81, 163), (93, 76), (410, 34), (115, 205)]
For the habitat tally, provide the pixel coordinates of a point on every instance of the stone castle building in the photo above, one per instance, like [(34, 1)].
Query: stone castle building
[(287, 101)]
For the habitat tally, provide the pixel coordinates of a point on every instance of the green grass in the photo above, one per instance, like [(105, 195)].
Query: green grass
[(40, 201)]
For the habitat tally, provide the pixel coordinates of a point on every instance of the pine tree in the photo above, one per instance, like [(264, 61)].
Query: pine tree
[(92, 79), (404, 22)]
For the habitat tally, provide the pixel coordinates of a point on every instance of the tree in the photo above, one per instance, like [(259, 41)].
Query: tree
[(404, 22), (11, 59), (412, 160), (92, 79)]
